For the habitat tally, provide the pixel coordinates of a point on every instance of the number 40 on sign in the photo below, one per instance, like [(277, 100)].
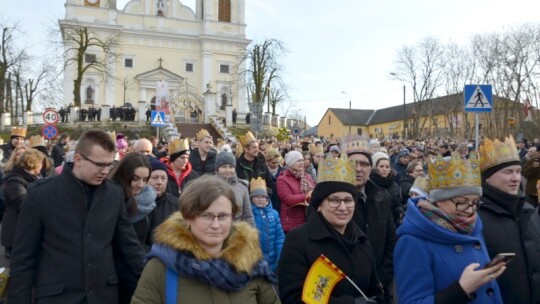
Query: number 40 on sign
[(50, 116)]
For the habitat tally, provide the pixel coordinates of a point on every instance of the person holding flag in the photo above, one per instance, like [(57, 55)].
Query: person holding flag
[(303, 275)]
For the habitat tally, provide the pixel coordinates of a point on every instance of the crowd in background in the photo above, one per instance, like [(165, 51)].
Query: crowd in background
[(255, 214)]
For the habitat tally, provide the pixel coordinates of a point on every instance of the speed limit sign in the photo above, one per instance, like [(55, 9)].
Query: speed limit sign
[(50, 116)]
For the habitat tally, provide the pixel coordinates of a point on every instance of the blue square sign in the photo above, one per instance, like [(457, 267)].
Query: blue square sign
[(478, 98), (157, 119)]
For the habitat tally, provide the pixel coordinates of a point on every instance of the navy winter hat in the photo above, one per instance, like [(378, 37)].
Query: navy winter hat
[(403, 153), (157, 165)]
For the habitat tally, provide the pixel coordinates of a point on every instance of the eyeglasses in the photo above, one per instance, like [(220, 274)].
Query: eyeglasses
[(362, 164), (464, 206), (335, 202), (99, 165), (259, 197), (208, 218)]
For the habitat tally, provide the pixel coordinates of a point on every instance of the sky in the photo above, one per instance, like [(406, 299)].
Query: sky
[(335, 46)]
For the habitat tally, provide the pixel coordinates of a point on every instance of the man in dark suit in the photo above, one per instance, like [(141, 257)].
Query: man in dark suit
[(73, 228)]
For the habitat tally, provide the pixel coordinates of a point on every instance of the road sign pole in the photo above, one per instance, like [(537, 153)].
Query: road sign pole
[(476, 131), (157, 133)]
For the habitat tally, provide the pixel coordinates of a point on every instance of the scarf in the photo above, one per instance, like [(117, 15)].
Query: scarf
[(183, 174), (439, 217), (305, 186), (146, 202), (216, 272)]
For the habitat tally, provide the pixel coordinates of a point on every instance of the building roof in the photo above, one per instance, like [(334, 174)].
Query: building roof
[(357, 117)]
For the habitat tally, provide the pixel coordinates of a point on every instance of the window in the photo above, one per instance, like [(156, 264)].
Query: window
[(224, 13), (89, 58), (329, 119), (359, 131), (224, 68), (189, 67), (128, 62)]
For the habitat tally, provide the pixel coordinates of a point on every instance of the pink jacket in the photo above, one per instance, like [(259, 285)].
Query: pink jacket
[(288, 189)]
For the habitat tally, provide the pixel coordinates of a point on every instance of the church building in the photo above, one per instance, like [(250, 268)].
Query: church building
[(195, 55)]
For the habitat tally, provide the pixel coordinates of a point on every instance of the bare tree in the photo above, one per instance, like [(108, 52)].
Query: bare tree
[(87, 51), (9, 57), (276, 96)]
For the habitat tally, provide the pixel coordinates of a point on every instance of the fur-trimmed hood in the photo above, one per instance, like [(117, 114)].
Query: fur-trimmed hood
[(241, 248)]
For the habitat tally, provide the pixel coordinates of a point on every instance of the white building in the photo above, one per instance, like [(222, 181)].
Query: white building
[(196, 53)]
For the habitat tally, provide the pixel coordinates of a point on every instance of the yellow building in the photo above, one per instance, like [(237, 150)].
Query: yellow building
[(441, 116), (193, 52)]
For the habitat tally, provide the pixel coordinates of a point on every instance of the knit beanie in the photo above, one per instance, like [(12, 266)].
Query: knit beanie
[(437, 195), (155, 164), (490, 171), (174, 156), (292, 157), (403, 153), (324, 189), (225, 158), (379, 156)]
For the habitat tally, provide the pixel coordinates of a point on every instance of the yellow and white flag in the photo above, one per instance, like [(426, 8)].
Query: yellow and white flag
[(320, 281)]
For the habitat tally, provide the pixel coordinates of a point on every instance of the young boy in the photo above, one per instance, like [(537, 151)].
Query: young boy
[(267, 221)]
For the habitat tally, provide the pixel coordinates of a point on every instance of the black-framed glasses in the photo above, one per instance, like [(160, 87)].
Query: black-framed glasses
[(464, 206), (335, 202), (98, 164)]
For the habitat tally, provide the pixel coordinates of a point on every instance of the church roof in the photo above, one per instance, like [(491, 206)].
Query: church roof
[(159, 73)]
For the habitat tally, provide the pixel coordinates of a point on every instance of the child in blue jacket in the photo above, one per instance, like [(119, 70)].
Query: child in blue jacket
[(271, 236)]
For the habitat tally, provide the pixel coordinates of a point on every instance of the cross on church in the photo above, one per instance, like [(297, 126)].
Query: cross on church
[(160, 60)]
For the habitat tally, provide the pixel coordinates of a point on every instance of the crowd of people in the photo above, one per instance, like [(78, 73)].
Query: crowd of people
[(106, 219)]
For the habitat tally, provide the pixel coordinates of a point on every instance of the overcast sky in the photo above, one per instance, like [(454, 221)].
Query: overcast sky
[(335, 46)]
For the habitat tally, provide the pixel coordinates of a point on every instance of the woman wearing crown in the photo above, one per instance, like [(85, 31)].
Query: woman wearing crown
[(329, 230), (440, 256)]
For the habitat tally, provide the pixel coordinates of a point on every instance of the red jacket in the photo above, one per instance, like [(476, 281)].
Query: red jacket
[(288, 189)]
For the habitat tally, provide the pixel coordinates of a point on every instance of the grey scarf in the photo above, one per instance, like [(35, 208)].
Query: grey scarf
[(146, 202)]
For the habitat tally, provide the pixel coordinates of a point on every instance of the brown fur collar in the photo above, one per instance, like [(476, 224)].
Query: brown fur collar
[(241, 248)]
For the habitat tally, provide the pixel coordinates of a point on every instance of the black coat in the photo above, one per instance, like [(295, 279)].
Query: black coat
[(375, 219), (15, 186), (166, 205), (208, 166), (64, 249), (7, 148), (405, 185), (389, 184), (57, 154), (505, 218), (247, 170), (306, 243)]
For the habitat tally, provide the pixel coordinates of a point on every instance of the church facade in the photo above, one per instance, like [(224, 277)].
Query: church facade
[(196, 54)]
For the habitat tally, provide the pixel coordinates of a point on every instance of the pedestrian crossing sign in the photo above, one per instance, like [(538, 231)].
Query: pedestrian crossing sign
[(478, 98), (157, 119)]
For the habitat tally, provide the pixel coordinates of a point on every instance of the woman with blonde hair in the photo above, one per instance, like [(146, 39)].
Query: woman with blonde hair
[(13, 158), (26, 170)]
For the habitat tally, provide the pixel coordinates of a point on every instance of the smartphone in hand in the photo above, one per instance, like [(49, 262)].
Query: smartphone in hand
[(501, 257)]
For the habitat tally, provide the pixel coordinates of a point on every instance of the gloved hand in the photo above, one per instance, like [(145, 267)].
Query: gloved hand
[(363, 300)]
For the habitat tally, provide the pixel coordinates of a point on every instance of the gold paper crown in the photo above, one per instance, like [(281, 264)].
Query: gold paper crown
[(258, 183), (337, 170), (36, 141), (202, 134), (355, 144), (493, 153), (113, 136), (246, 138), (18, 131), (316, 149), (306, 140), (176, 145), (456, 172)]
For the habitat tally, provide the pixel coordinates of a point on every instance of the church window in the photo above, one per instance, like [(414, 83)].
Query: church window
[(224, 68), (128, 62), (189, 67), (224, 14), (89, 58)]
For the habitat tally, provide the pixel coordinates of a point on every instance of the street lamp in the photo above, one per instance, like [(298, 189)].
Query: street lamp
[(404, 116), (349, 110)]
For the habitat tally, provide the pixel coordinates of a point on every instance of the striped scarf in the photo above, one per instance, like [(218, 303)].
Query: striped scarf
[(439, 217)]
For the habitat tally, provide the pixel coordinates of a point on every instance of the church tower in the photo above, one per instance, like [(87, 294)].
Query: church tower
[(231, 11)]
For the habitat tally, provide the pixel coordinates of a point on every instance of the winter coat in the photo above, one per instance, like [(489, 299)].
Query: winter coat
[(532, 174), (401, 170), (276, 202), (351, 254), (405, 185), (506, 229), (66, 240), (166, 205), (241, 249), (173, 184), (430, 259), (208, 166), (7, 148), (271, 236), (248, 170), (15, 186), (288, 188), (375, 219), (389, 184), (241, 193), (57, 154)]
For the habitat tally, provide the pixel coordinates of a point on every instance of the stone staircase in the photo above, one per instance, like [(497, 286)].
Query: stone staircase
[(188, 130), (219, 125)]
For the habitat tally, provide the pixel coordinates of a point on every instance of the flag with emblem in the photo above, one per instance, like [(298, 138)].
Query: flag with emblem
[(320, 281)]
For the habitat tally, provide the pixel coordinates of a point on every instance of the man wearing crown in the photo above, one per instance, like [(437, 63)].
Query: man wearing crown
[(373, 213), (505, 216), (17, 139), (250, 164), (203, 159)]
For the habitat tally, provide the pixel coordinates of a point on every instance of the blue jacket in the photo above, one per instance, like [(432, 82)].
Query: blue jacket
[(429, 260), (271, 236)]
